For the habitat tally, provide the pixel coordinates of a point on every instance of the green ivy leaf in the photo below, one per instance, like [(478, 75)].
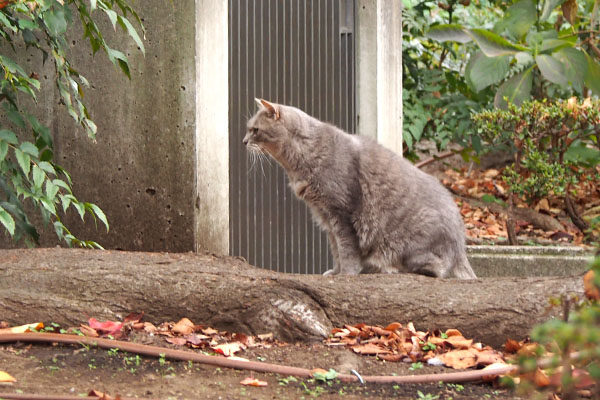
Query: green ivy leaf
[(483, 71), (92, 5), (51, 190), (551, 69), (517, 89), (7, 220)]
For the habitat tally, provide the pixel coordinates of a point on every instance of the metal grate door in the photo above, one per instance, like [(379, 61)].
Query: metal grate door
[(295, 52)]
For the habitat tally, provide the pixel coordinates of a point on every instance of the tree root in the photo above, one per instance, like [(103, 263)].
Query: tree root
[(539, 220), (574, 215)]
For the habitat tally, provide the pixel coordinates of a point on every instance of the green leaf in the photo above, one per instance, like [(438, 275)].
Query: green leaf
[(576, 65), (449, 32), (518, 19), (7, 220), (517, 89), (592, 76), (116, 56), (549, 6), (24, 161), (551, 69), (3, 149), (47, 167), (55, 20), (27, 24), (124, 22), (38, 176), (48, 205), (51, 190), (8, 136), (29, 148), (553, 45), (112, 16), (80, 208), (100, 214), (483, 71), (494, 45), (11, 66), (92, 5)]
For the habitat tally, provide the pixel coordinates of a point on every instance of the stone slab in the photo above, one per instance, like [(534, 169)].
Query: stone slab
[(531, 261)]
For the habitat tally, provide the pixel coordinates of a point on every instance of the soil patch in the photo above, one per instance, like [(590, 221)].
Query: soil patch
[(75, 370)]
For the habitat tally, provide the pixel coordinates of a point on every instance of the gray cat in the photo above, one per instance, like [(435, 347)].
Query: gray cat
[(381, 213)]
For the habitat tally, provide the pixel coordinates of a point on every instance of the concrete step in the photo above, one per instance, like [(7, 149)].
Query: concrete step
[(491, 261)]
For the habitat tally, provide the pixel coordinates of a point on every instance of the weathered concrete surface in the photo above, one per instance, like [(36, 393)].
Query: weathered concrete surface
[(528, 261), (141, 170)]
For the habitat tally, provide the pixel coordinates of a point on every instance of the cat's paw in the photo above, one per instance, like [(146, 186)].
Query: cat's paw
[(331, 272)]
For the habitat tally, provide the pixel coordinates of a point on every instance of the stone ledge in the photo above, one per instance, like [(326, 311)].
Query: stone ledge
[(530, 261)]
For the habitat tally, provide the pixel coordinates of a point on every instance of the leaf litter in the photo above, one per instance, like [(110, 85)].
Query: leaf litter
[(393, 343)]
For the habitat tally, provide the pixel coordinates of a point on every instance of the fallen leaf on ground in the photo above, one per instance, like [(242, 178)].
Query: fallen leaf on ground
[(590, 289), (228, 349), (107, 327), (370, 348), (177, 341), (6, 378), (492, 368), (23, 328), (183, 327), (253, 382), (540, 378), (459, 359)]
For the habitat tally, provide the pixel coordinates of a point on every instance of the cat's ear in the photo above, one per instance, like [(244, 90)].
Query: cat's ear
[(272, 109)]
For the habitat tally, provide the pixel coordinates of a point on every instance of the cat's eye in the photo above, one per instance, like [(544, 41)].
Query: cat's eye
[(254, 131)]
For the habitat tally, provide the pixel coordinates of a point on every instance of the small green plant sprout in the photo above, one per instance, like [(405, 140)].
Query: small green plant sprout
[(427, 396), (416, 365), (285, 381), (161, 359), (456, 386), (325, 376), (428, 346), (113, 352)]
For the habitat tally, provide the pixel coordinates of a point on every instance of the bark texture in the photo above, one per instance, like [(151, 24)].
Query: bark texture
[(69, 286)]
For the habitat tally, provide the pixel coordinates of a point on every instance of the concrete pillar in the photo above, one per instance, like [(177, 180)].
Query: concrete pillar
[(212, 127), (379, 67)]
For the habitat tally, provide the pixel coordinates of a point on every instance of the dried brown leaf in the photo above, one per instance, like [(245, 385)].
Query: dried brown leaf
[(183, 327)]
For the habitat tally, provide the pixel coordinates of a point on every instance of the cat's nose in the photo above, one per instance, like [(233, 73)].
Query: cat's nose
[(245, 141)]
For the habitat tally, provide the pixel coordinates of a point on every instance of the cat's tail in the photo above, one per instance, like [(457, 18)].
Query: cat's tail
[(462, 267)]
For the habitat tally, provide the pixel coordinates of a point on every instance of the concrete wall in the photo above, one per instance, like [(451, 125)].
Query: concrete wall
[(141, 171)]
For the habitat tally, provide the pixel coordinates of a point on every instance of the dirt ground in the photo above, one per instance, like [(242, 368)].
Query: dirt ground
[(75, 371)]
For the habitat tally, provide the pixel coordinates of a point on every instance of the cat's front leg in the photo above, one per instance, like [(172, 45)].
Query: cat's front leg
[(334, 252), (348, 256)]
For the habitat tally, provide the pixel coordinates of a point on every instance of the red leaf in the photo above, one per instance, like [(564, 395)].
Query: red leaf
[(107, 327)]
